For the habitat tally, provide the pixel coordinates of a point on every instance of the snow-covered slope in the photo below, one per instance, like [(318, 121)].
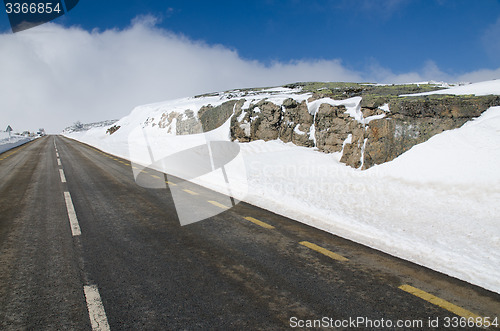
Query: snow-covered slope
[(481, 88), (7, 143), (436, 205)]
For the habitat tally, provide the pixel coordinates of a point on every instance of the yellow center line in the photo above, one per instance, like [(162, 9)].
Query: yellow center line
[(324, 251), (154, 176), (260, 223), (11, 153), (220, 205), (190, 192), (438, 302), (170, 183)]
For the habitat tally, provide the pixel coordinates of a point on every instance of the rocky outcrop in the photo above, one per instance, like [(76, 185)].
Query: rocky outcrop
[(296, 123), (380, 127), (291, 122), (379, 137), (213, 117), (413, 120), (178, 123)]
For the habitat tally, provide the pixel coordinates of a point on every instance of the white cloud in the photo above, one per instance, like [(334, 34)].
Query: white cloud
[(479, 75), (52, 76), (379, 74), (428, 72)]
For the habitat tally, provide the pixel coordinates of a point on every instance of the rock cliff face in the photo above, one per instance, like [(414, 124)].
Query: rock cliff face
[(413, 120), (366, 124)]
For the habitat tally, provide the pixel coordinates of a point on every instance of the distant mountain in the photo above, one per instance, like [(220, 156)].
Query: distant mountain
[(79, 127)]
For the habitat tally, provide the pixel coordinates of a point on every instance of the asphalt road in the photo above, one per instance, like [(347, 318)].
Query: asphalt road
[(125, 261)]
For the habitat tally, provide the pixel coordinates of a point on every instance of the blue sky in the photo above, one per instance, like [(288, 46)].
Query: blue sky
[(103, 58)]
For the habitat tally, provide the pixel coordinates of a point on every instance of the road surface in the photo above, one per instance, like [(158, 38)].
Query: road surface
[(83, 246)]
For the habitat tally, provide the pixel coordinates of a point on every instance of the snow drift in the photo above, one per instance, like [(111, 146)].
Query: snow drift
[(436, 205)]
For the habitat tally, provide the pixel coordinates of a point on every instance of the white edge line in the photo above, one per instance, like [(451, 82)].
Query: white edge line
[(73, 221), (58, 162), (63, 178), (97, 315)]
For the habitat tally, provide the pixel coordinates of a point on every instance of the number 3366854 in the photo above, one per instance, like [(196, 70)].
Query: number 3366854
[(32, 8)]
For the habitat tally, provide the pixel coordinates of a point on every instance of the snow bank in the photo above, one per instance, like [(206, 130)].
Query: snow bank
[(436, 205), (425, 206), (464, 156), (14, 141)]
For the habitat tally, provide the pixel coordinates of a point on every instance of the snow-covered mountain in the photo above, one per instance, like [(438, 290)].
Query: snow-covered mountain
[(430, 190)]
